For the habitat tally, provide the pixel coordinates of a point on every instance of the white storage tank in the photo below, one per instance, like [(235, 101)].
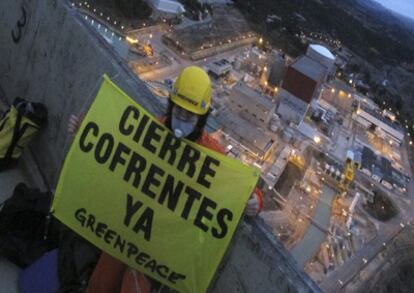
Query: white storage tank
[(328, 170), (322, 55)]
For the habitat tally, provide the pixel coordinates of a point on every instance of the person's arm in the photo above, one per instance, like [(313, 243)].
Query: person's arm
[(74, 123), (255, 203)]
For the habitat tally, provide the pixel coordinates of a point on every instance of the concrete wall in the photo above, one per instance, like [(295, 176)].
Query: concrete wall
[(259, 263), (49, 54), (58, 60), (197, 55), (299, 84), (205, 53)]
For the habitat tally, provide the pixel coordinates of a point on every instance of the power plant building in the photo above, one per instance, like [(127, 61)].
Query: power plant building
[(275, 71), (290, 107), (220, 68), (251, 105), (304, 77), (383, 126), (323, 56), (302, 83)]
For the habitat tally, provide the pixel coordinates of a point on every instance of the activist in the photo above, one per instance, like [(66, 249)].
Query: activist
[(186, 116)]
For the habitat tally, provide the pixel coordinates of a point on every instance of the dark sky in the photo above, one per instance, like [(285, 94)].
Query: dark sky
[(404, 7)]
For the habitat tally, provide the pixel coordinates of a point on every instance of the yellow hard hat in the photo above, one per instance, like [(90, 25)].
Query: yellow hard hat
[(192, 90)]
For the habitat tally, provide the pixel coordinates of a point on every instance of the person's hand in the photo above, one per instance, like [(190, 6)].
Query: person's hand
[(252, 206), (74, 123)]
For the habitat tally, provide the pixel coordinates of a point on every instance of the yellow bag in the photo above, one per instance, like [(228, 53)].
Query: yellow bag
[(18, 126)]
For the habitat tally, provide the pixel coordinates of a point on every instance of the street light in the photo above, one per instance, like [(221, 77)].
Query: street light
[(364, 260), (131, 40)]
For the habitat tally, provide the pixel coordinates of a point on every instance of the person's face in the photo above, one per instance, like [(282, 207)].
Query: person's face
[(183, 122), (183, 114)]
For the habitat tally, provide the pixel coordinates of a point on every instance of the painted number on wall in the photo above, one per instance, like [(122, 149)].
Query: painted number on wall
[(16, 33)]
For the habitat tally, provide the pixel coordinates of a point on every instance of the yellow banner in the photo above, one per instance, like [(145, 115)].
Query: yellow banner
[(164, 206)]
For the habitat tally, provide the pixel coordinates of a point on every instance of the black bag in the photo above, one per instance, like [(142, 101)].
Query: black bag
[(25, 231)]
